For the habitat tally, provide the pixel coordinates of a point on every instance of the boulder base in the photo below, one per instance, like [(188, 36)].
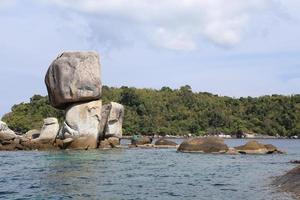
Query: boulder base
[(82, 123)]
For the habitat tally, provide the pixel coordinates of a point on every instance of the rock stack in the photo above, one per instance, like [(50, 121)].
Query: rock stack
[(74, 84)]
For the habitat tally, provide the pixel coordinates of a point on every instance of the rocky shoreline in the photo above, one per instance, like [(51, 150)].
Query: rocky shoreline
[(289, 182)]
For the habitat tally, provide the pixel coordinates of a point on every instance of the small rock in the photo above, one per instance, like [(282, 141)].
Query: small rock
[(6, 133), (140, 140), (104, 144), (232, 151), (295, 161), (114, 141)]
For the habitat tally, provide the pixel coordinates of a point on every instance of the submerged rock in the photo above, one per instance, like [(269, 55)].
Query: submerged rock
[(165, 142), (290, 182), (203, 145), (254, 147), (73, 77)]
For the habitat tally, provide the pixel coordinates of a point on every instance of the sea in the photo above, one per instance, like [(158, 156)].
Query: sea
[(142, 174)]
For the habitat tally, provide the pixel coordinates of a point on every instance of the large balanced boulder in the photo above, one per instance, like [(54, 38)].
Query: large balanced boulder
[(73, 77), (82, 123), (254, 147), (290, 182), (203, 145), (50, 129), (114, 123), (165, 142)]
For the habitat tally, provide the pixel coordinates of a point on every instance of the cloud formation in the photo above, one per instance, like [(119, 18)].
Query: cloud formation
[(179, 24)]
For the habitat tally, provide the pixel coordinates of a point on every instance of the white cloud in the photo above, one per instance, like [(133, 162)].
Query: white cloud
[(4, 4), (181, 24)]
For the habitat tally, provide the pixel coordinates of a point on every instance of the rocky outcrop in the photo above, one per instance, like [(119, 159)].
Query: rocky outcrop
[(50, 129), (165, 142), (82, 123), (73, 77), (74, 84), (290, 182), (5, 132), (203, 145), (254, 147), (114, 120)]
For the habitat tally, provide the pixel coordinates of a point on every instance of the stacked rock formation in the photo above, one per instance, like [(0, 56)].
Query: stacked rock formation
[(74, 84)]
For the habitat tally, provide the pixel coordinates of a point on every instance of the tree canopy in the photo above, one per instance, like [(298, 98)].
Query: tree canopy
[(179, 112)]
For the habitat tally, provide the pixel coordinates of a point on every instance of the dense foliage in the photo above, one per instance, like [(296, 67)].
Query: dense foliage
[(179, 112)]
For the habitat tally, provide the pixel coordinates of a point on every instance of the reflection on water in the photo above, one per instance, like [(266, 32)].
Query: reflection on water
[(143, 174)]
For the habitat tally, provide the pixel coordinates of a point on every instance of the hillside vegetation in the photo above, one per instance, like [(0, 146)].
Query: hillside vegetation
[(178, 112)]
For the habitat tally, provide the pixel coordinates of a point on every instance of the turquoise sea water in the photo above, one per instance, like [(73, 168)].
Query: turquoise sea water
[(144, 174)]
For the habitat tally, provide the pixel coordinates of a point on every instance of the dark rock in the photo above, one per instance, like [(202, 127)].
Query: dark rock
[(204, 145), (165, 142), (73, 77), (104, 119), (295, 161), (290, 182), (140, 140)]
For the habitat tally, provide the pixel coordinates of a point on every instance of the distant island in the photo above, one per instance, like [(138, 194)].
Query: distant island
[(179, 112)]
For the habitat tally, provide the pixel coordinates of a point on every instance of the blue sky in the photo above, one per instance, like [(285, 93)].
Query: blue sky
[(227, 47)]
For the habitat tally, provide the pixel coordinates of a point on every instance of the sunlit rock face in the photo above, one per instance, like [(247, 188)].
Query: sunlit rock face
[(50, 129), (114, 123), (73, 77)]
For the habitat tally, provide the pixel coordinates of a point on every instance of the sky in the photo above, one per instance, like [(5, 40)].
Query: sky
[(226, 47)]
